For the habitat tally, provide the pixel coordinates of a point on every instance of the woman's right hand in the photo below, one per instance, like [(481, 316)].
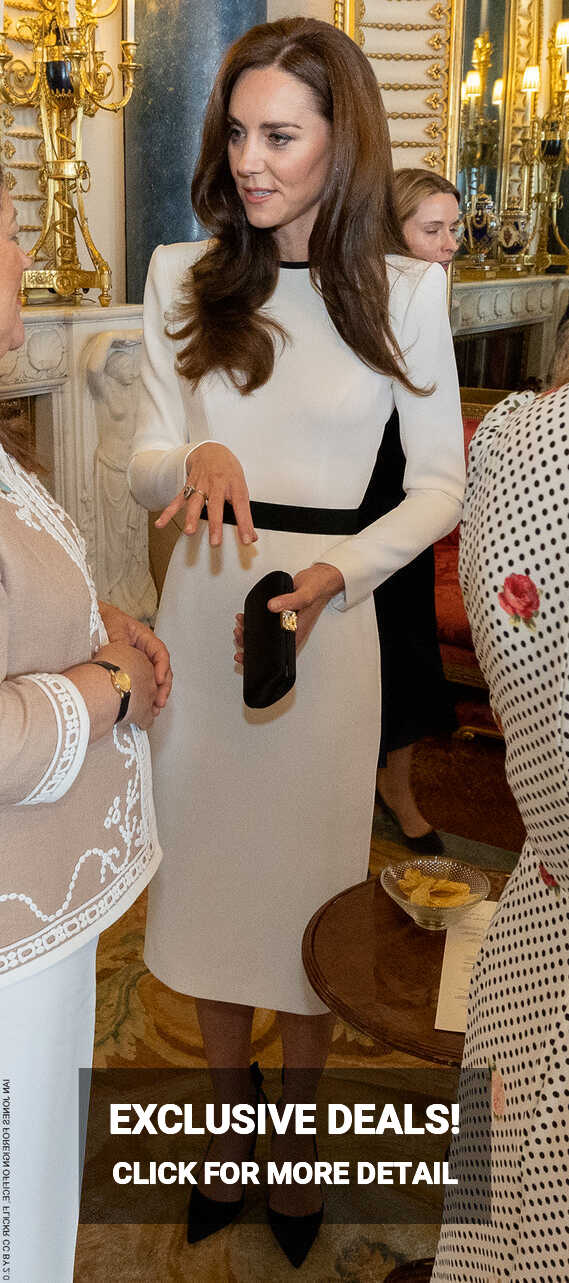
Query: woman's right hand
[(103, 701), (217, 477)]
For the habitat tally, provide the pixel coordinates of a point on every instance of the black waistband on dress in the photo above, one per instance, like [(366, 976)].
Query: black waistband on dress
[(304, 521)]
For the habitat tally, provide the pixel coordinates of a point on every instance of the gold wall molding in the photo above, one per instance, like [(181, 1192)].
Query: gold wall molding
[(21, 148), (411, 115), (348, 16), (25, 133), (413, 142), (398, 26), (429, 44), (401, 57), (18, 164), (404, 87)]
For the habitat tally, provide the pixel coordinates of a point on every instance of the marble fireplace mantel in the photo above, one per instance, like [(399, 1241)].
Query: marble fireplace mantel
[(82, 364), (535, 302)]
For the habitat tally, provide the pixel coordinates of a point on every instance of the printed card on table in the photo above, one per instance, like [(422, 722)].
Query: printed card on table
[(462, 945)]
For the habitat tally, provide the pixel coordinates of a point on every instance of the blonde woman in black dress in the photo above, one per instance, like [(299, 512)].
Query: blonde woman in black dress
[(415, 696)]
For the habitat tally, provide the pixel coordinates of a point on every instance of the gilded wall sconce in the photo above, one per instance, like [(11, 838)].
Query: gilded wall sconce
[(66, 79)]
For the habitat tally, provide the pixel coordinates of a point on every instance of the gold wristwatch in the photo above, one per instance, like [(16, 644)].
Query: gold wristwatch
[(122, 684)]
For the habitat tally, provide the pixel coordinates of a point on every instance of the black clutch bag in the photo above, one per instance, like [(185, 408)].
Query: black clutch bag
[(269, 650)]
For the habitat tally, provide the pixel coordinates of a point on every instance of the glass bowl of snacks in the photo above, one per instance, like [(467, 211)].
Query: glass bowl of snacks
[(435, 891)]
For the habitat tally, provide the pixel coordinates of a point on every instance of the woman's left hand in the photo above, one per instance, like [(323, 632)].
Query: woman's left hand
[(124, 628), (313, 589)]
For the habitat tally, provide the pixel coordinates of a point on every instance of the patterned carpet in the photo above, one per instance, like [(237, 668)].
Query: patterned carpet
[(461, 787)]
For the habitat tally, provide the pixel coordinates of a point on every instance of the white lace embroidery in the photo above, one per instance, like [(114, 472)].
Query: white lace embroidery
[(132, 815), (36, 507), (73, 729), (24, 511), (124, 814), (93, 916)]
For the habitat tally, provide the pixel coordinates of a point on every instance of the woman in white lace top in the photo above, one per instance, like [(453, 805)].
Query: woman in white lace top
[(77, 830)]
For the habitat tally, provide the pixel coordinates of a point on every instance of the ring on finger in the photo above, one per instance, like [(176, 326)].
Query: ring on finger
[(189, 490)]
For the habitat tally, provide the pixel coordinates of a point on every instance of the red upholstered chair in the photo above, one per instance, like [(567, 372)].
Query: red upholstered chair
[(455, 639)]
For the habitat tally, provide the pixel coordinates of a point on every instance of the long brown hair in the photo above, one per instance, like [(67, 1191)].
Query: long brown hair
[(414, 185), (218, 313), (14, 428)]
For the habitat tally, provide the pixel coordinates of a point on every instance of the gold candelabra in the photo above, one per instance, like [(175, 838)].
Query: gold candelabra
[(479, 133), (544, 150), (480, 138), (67, 80)]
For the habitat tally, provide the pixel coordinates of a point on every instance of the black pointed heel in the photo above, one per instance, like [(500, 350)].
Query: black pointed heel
[(207, 1215), (295, 1234), (428, 844)]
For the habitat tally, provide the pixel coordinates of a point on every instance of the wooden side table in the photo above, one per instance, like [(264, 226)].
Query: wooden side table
[(373, 967)]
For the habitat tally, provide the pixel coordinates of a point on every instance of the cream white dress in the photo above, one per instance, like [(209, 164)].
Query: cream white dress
[(264, 815)]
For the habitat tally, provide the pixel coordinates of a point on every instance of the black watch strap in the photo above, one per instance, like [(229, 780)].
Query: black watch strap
[(120, 686)]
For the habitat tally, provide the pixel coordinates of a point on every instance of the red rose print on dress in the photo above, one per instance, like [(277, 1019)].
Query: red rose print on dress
[(520, 599), (549, 879)]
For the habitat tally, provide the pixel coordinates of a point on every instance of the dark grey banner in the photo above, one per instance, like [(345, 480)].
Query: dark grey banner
[(384, 1151)]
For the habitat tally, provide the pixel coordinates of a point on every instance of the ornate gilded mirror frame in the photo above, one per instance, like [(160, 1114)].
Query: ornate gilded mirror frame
[(418, 66), (525, 41)]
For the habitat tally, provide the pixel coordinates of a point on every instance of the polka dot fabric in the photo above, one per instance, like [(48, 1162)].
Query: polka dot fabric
[(514, 569)]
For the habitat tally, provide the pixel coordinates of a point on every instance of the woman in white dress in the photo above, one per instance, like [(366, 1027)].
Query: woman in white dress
[(273, 357)]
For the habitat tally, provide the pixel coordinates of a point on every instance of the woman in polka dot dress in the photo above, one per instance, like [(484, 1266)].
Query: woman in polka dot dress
[(514, 569)]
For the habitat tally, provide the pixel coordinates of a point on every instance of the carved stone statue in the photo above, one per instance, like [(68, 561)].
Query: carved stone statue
[(121, 529)]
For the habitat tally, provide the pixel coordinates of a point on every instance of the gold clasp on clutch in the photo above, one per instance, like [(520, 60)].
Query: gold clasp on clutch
[(289, 620)]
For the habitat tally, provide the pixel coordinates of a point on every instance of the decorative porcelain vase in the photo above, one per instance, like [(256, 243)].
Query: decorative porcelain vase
[(514, 233), (482, 226)]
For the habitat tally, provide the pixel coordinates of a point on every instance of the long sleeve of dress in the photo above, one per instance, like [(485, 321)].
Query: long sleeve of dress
[(165, 408), (432, 439), (44, 731)]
